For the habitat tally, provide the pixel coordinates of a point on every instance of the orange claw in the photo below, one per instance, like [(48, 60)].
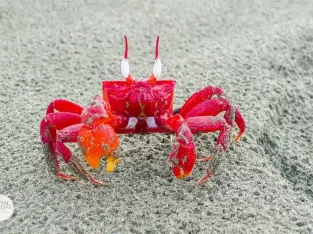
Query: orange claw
[(99, 142)]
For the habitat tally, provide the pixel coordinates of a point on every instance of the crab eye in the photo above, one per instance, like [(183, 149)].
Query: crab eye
[(157, 68), (125, 68), (125, 63), (157, 62)]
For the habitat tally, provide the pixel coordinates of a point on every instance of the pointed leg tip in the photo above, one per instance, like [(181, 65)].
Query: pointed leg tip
[(201, 181), (238, 137), (205, 177), (204, 159), (66, 177), (97, 182)]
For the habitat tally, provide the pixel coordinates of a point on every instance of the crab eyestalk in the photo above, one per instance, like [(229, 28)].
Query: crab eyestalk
[(126, 48), (157, 68), (125, 64), (157, 48), (157, 64)]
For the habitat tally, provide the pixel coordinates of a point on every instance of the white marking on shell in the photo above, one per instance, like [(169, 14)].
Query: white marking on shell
[(132, 123), (151, 122)]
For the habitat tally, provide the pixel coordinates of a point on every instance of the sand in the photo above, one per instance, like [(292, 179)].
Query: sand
[(260, 53)]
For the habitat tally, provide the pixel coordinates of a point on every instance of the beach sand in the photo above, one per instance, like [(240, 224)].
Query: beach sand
[(260, 54)]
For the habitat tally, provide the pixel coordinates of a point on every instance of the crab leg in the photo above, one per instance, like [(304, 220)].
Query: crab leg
[(183, 156), (206, 124), (76, 162), (56, 121), (238, 119), (200, 111), (59, 173), (70, 134), (48, 127), (68, 125), (199, 97), (213, 107), (201, 119), (62, 105), (207, 176)]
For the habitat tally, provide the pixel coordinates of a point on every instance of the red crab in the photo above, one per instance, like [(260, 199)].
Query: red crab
[(137, 107)]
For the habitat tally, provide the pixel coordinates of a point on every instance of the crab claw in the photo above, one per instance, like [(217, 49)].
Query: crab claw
[(97, 143), (183, 156), (182, 159), (112, 162)]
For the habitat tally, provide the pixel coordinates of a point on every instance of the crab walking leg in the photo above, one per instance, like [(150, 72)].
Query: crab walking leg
[(207, 176), (199, 97), (70, 134), (62, 105), (56, 121), (68, 125), (238, 119), (215, 106), (48, 127), (59, 173), (183, 156), (76, 162), (205, 124), (95, 144)]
